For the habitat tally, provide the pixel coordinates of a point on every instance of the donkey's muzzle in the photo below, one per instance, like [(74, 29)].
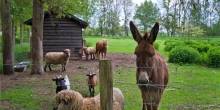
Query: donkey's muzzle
[(143, 78)]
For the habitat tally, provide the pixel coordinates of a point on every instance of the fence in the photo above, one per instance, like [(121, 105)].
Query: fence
[(201, 94)]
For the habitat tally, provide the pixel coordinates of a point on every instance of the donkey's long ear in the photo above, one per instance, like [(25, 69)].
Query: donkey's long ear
[(154, 32), (136, 34)]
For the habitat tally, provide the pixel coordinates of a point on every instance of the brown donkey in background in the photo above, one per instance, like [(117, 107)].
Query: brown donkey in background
[(152, 72)]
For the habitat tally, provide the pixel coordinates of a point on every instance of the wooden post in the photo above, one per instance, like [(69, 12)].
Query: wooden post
[(106, 84)]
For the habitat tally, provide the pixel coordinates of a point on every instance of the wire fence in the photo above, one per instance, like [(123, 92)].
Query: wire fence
[(185, 90)]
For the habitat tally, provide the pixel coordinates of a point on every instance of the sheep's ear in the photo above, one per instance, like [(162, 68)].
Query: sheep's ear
[(153, 33), (135, 33)]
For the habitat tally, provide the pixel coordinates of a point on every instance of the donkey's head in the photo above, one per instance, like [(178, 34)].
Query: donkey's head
[(144, 52)]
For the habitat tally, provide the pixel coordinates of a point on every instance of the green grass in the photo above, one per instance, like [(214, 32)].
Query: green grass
[(189, 85), (117, 45), (21, 97)]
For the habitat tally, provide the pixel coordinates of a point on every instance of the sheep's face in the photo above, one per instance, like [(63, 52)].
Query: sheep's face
[(60, 81), (90, 75), (67, 52)]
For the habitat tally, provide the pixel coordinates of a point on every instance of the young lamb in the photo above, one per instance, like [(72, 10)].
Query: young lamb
[(57, 58), (92, 82), (101, 48), (72, 100), (89, 51)]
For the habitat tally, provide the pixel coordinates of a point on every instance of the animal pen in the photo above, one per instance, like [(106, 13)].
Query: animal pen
[(110, 79)]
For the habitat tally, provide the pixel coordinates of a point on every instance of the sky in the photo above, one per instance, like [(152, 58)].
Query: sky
[(138, 2)]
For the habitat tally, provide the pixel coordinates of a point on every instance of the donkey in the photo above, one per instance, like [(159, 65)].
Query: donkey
[(152, 72)]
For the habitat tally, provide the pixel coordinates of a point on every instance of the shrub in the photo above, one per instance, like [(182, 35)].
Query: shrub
[(184, 55), (214, 57), (170, 44), (198, 45), (156, 45), (21, 52), (203, 59)]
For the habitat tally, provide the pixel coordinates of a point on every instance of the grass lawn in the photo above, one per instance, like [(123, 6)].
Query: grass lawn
[(190, 86)]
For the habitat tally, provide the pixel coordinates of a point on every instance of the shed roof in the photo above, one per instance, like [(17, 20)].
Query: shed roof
[(72, 18)]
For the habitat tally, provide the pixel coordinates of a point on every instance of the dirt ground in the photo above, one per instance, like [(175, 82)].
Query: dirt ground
[(40, 82)]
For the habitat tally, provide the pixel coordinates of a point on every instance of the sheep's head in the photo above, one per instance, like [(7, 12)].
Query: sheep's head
[(90, 75), (67, 52), (59, 80)]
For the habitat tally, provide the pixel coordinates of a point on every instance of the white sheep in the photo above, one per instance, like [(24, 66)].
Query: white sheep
[(57, 58), (72, 100), (89, 51)]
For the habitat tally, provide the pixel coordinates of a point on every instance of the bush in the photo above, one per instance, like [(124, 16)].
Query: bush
[(184, 55), (21, 52), (203, 59), (198, 45), (170, 44), (156, 45), (214, 57)]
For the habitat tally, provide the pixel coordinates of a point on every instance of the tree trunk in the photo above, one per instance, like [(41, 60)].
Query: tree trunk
[(7, 38), (21, 33), (37, 37)]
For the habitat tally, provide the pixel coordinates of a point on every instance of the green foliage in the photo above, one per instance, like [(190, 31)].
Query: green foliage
[(184, 55), (201, 46), (156, 45), (1, 63), (194, 31), (214, 57), (21, 10), (147, 13), (203, 59), (21, 52), (170, 44), (81, 8), (21, 97)]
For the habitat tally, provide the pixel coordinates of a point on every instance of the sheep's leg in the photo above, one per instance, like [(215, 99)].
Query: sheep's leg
[(49, 65), (90, 90), (93, 56), (63, 67), (45, 67), (93, 91), (87, 56)]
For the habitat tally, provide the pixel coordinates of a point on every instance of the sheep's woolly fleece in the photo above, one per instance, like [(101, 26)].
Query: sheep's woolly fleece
[(72, 100)]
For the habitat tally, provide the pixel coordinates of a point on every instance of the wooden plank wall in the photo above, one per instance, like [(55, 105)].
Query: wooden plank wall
[(60, 34)]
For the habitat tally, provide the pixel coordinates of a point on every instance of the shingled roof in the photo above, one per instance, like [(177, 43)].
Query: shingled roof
[(72, 18)]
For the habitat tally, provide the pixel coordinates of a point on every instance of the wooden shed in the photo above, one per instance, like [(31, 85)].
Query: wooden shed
[(62, 33)]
